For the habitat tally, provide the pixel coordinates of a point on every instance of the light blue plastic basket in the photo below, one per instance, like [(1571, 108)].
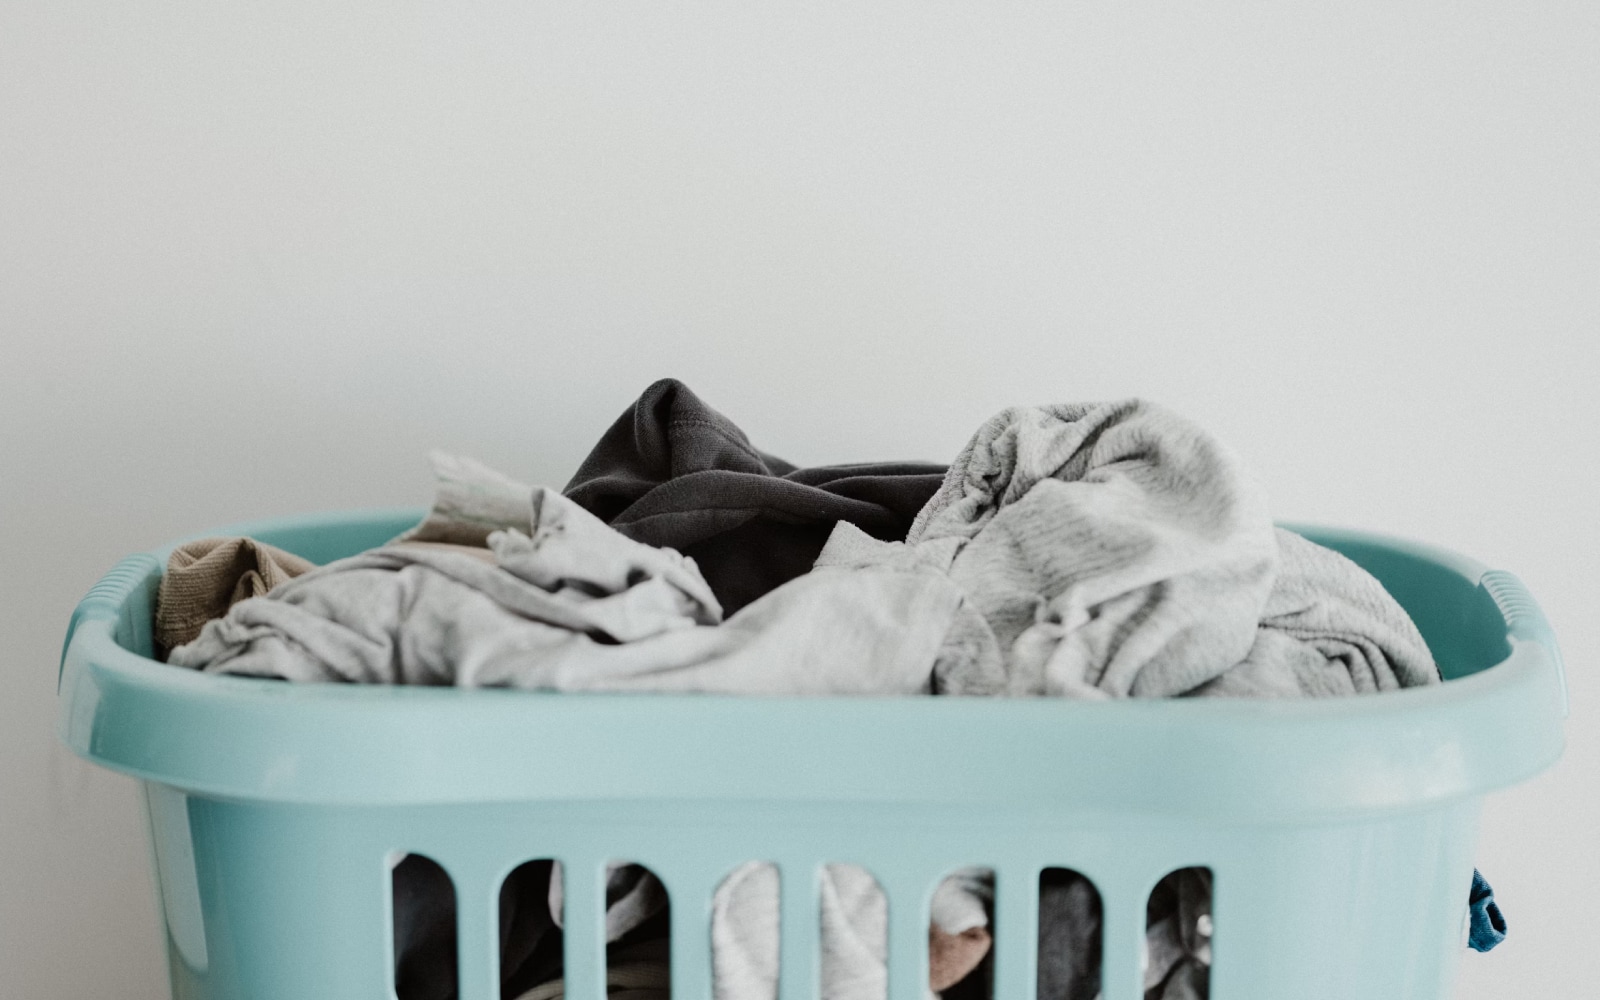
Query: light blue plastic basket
[(1340, 832)]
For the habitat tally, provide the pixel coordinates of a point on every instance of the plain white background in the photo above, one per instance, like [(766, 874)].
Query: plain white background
[(256, 258)]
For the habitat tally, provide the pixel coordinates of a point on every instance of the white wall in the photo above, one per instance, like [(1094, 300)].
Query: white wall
[(255, 258)]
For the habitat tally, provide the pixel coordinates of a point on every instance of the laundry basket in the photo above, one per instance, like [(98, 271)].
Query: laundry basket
[(1340, 833)]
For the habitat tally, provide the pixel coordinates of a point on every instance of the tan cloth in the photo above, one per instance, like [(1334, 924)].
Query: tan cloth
[(207, 577), (952, 957)]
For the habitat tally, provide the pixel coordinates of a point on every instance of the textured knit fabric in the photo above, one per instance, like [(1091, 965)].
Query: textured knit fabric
[(1328, 628), (207, 577), (672, 471)]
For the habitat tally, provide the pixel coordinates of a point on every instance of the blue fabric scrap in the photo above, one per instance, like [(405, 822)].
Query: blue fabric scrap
[(1488, 927)]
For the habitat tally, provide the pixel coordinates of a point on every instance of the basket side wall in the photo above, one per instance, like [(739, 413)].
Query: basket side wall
[(293, 900)]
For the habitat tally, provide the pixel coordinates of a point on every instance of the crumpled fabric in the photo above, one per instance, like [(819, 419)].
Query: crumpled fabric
[(568, 603), (672, 471), (574, 606), (1104, 550), (1117, 550), (206, 577), (1328, 629)]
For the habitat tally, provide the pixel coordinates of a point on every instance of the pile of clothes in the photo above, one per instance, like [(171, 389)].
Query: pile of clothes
[(1089, 551)]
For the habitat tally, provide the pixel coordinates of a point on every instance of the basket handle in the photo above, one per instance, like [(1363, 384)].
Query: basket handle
[(1525, 620), (109, 600)]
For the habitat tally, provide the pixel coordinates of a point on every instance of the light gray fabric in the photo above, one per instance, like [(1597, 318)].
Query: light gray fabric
[(577, 607), (744, 933), (633, 895), (963, 899), (1115, 550), (854, 931), (1328, 628), (472, 502), (1109, 550)]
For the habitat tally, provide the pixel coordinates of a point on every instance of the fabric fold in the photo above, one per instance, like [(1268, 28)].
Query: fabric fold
[(572, 605), (1117, 550), (672, 471), (1102, 550), (206, 577)]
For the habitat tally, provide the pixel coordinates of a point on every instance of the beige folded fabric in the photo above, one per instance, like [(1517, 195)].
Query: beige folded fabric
[(207, 577)]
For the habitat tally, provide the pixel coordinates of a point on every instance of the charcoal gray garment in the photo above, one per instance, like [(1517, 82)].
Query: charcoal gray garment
[(425, 943), (1328, 628), (1116, 550), (1177, 936), (1069, 936), (424, 931), (672, 471)]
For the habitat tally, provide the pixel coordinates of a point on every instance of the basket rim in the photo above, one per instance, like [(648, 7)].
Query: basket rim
[(1203, 759)]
